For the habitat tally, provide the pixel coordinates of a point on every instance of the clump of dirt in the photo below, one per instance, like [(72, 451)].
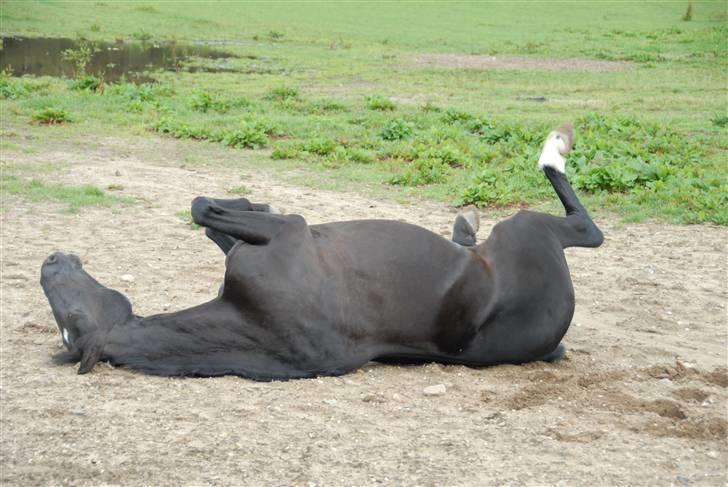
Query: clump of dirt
[(597, 378), (580, 437), (481, 61), (707, 428), (665, 408), (691, 394), (536, 395), (680, 372)]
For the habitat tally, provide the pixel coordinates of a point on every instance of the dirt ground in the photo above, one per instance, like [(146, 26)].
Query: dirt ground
[(640, 398), (483, 61)]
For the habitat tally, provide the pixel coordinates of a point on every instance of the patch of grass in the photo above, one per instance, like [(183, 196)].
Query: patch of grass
[(421, 172), (86, 83), (15, 88), (720, 120), (396, 129), (202, 101), (145, 92), (142, 36), (241, 190), (282, 93), (51, 116), (654, 150), (286, 150), (689, 12), (75, 196), (275, 35), (380, 103), (319, 146), (247, 136), (186, 217)]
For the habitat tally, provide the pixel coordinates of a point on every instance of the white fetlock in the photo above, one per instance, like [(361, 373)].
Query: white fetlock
[(557, 145)]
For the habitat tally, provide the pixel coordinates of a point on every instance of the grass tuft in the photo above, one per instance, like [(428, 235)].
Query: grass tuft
[(51, 116), (74, 196), (380, 103)]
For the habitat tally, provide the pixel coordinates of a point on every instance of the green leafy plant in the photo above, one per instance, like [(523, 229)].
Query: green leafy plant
[(247, 136), (186, 217), (51, 116), (380, 103), (239, 190), (720, 120), (80, 56), (319, 146), (421, 172), (285, 151), (282, 93), (396, 129), (202, 101), (86, 82)]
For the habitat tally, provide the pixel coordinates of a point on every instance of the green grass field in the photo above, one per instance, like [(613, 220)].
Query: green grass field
[(337, 89)]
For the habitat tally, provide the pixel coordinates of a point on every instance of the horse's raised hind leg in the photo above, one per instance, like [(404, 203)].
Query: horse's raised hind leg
[(464, 229), (223, 240), (243, 204), (577, 229), (252, 227)]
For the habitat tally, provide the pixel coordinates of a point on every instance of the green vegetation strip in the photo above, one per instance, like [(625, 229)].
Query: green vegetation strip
[(72, 195), (651, 135)]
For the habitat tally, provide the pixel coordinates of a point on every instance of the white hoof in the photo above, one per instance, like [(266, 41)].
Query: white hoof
[(557, 145)]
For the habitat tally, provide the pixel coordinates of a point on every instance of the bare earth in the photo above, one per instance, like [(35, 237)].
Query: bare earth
[(516, 63), (639, 400)]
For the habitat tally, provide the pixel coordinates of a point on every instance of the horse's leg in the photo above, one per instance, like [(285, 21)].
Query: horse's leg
[(243, 204), (223, 240), (465, 227), (252, 227), (576, 229)]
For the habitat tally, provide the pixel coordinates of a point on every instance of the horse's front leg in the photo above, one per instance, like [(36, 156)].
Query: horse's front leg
[(229, 222)]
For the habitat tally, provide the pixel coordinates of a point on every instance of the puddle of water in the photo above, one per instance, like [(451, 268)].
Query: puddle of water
[(44, 57)]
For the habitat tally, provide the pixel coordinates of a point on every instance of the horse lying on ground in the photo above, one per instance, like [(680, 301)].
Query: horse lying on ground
[(305, 301)]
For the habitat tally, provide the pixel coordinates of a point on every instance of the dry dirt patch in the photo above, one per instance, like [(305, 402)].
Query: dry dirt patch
[(639, 400), (483, 61)]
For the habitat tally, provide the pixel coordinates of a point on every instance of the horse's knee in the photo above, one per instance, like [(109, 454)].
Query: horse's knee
[(202, 208)]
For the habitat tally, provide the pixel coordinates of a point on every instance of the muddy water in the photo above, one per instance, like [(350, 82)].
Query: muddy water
[(44, 57)]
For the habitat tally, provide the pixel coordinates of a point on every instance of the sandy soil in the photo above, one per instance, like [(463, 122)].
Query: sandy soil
[(639, 400), (483, 61)]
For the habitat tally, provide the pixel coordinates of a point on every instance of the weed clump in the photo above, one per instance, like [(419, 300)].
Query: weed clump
[(282, 93), (421, 172), (186, 217), (396, 129), (453, 116), (285, 151), (380, 103), (239, 190), (720, 120), (319, 146), (86, 82), (689, 12), (202, 101), (51, 116), (16, 88), (248, 136)]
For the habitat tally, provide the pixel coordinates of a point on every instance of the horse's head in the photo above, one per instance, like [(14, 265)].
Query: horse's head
[(85, 311)]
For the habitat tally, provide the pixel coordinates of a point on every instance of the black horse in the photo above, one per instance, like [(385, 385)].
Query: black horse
[(303, 301)]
